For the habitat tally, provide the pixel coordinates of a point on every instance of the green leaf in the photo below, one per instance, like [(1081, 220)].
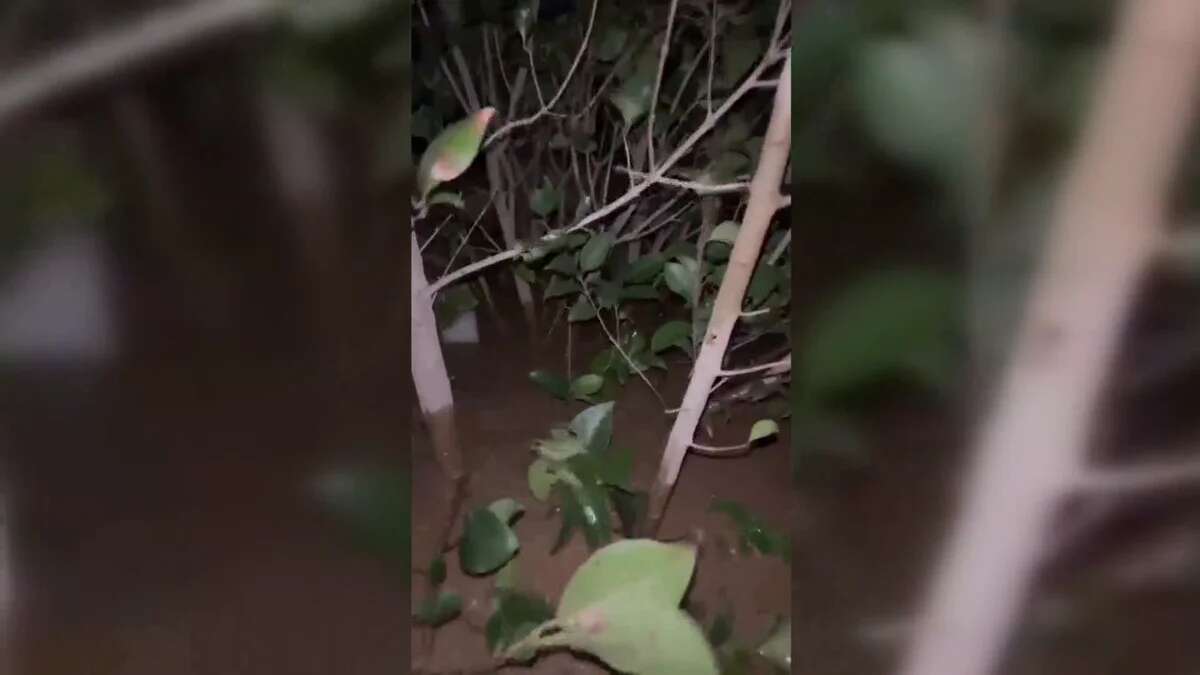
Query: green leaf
[(664, 571), (506, 509), (778, 647), (582, 310), (608, 294), (615, 468), (611, 43), (681, 280), (516, 616), (561, 446), (541, 479), (672, 334), (555, 384), (545, 200), (725, 232), (764, 282), (633, 634), (896, 322), (593, 426), (763, 429), (586, 385), (375, 504), (487, 544), (595, 252), (639, 293), (438, 610), (584, 506), (506, 578), (622, 606), (565, 264), (560, 286), (644, 269)]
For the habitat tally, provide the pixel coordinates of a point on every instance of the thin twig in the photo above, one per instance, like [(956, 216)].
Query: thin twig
[(1138, 478), (547, 107), (775, 368), (662, 64)]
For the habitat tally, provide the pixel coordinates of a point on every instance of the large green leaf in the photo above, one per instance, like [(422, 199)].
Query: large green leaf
[(582, 310), (664, 569), (560, 286), (487, 544), (897, 322), (593, 426), (681, 277), (632, 633), (541, 478)]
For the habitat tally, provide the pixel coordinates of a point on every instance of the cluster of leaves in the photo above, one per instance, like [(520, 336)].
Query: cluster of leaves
[(587, 479)]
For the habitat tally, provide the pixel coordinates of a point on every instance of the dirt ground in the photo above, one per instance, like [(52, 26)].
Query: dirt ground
[(500, 413)]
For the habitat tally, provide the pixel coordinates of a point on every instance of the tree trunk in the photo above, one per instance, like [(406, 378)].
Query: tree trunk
[(764, 202)]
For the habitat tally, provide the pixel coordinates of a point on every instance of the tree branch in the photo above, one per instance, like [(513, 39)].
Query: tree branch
[(117, 53)]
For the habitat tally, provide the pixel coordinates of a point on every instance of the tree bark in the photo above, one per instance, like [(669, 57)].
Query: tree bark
[(764, 201)]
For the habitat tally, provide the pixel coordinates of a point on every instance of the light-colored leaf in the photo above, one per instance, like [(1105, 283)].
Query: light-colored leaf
[(487, 543), (506, 509), (541, 479), (725, 232), (763, 429), (665, 570), (560, 286)]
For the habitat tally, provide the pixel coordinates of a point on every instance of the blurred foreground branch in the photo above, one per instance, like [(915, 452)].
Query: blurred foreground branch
[(1106, 229), (123, 50)]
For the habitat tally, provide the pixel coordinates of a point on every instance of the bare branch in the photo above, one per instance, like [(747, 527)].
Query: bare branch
[(120, 51), (1147, 476)]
